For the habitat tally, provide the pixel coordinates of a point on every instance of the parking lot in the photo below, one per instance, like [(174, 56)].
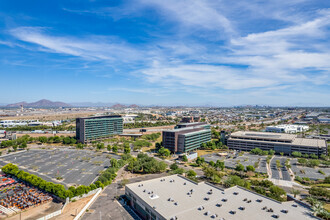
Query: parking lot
[(246, 160), (312, 173), (65, 166)]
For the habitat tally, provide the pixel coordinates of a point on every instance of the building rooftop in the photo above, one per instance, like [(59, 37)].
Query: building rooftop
[(193, 123), (269, 137), (175, 196), (264, 135), (103, 116)]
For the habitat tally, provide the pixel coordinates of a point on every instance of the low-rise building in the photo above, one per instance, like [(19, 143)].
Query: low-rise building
[(186, 137), (290, 129), (286, 143), (176, 197)]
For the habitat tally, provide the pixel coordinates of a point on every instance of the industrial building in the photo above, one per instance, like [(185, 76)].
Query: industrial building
[(290, 129), (176, 197), (186, 137), (100, 127), (286, 143)]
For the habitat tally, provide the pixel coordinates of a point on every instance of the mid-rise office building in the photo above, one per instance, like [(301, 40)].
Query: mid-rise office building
[(96, 128), (286, 143), (186, 137), (176, 197)]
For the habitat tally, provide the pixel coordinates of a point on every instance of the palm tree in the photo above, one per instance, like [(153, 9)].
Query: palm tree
[(311, 200), (317, 208), (295, 192)]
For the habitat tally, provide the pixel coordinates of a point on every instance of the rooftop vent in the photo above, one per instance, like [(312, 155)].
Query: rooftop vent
[(201, 208), (232, 212), (184, 183), (259, 200), (270, 210), (154, 207), (235, 193), (294, 205), (275, 216), (207, 213), (245, 199), (144, 190), (214, 216), (174, 218), (241, 208), (249, 201), (218, 205), (264, 208), (224, 200), (285, 211), (206, 198), (176, 203)]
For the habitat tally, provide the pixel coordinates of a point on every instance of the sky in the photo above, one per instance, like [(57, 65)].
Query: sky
[(173, 52)]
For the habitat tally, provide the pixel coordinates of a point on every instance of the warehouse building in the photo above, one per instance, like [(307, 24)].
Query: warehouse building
[(96, 128), (176, 197), (286, 143), (186, 137)]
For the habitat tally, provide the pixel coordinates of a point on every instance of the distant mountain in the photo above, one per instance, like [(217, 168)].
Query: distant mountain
[(40, 103), (133, 106), (118, 106)]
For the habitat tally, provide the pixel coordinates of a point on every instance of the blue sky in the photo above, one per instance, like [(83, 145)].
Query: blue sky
[(173, 52)]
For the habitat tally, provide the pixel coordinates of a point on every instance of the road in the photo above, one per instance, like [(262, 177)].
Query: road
[(282, 173), (275, 172), (284, 170), (106, 207)]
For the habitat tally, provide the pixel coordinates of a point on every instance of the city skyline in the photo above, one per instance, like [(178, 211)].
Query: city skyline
[(146, 52)]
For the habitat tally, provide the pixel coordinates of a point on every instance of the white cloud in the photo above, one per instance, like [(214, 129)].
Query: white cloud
[(92, 48)]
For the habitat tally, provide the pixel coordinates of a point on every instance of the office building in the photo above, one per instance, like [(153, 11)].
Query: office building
[(290, 129), (96, 128), (176, 197), (286, 143), (186, 137)]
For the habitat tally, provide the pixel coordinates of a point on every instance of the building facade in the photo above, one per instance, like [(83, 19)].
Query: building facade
[(286, 143), (186, 137), (96, 128)]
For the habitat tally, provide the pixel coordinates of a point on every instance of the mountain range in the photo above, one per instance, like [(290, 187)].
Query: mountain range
[(50, 104), (40, 103)]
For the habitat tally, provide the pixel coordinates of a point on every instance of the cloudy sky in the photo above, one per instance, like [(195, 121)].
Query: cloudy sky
[(187, 52)]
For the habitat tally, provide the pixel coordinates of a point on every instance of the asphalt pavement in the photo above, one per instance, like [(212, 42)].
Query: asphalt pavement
[(107, 207)]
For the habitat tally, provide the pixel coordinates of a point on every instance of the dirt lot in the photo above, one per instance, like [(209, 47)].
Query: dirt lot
[(38, 212), (48, 135), (73, 208), (51, 117)]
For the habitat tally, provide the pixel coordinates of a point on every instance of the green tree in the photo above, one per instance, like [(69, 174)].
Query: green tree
[(113, 162), (174, 166), (220, 164), (250, 168), (191, 173), (127, 149), (164, 152), (239, 167), (184, 158), (115, 148)]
